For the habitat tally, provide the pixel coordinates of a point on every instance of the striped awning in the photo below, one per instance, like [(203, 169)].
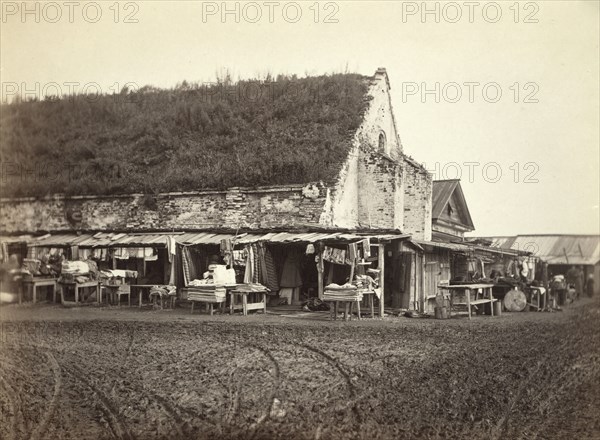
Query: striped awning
[(101, 239), (284, 237), (105, 239)]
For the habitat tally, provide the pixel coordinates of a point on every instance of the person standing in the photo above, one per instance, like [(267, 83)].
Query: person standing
[(589, 285), (580, 282), (572, 277)]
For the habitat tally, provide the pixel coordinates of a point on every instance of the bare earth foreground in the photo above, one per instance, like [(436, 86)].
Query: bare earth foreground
[(124, 373)]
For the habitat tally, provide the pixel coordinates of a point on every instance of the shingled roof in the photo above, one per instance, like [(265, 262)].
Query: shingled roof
[(192, 137)]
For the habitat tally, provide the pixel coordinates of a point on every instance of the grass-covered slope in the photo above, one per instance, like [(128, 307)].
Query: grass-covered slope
[(189, 138)]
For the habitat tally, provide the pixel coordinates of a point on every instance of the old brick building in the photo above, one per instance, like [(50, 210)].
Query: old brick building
[(377, 188)]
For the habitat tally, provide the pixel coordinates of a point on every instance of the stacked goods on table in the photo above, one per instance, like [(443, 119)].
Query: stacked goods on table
[(116, 277), (346, 292), (211, 288), (48, 266), (206, 292), (78, 271), (252, 288)]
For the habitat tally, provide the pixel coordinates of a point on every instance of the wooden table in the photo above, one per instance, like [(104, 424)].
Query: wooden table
[(467, 288), (209, 304), (540, 293), (78, 286), (370, 295), (141, 288), (245, 305), (112, 292), (348, 306), (34, 283)]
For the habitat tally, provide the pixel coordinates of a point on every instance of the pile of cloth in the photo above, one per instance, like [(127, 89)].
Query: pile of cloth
[(252, 287), (75, 268), (315, 305), (163, 291), (346, 292), (206, 293), (364, 282), (116, 276)]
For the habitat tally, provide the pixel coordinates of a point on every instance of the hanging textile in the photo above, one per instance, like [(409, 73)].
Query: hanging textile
[(352, 252), (270, 274), (150, 254), (4, 251), (84, 254), (262, 263), (239, 258), (334, 255), (171, 248), (367, 247), (227, 251), (249, 273), (257, 266), (120, 253), (291, 274), (186, 264)]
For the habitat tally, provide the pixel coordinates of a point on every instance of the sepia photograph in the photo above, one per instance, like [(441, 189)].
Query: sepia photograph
[(300, 220)]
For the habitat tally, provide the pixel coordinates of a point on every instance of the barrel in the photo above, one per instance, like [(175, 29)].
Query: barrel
[(498, 308), (441, 312)]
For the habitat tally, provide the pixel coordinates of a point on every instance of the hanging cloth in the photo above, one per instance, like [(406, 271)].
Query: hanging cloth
[(290, 275), (352, 252), (249, 272), (270, 275), (367, 247), (171, 248), (186, 263)]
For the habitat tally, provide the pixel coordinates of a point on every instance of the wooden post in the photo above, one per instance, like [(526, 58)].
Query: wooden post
[(545, 283), (320, 269), (468, 292), (381, 264)]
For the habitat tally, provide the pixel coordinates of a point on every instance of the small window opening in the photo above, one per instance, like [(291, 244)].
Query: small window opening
[(382, 142)]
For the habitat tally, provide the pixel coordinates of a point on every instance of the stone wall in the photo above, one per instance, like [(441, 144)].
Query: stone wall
[(368, 192), (381, 180), (417, 188), (281, 206)]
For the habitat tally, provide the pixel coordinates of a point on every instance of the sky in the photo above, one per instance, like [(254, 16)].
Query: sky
[(503, 95)]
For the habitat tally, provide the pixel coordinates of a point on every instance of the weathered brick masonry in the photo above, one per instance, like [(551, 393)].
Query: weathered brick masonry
[(284, 206), (377, 201), (417, 200)]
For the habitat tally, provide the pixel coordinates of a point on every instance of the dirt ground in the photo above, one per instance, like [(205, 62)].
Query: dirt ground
[(92, 373)]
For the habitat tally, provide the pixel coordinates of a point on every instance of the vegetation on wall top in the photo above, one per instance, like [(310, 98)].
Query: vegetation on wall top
[(276, 131)]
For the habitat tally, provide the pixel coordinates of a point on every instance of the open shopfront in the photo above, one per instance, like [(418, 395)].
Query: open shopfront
[(294, 268), (102, 262)]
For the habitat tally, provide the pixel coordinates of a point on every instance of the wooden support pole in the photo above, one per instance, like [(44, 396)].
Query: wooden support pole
[(381, 265), (320, 269)]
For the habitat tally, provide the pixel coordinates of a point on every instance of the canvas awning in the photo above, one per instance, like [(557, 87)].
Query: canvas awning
[(105, 239), (101, 239), (467, 248), (284, 237)]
